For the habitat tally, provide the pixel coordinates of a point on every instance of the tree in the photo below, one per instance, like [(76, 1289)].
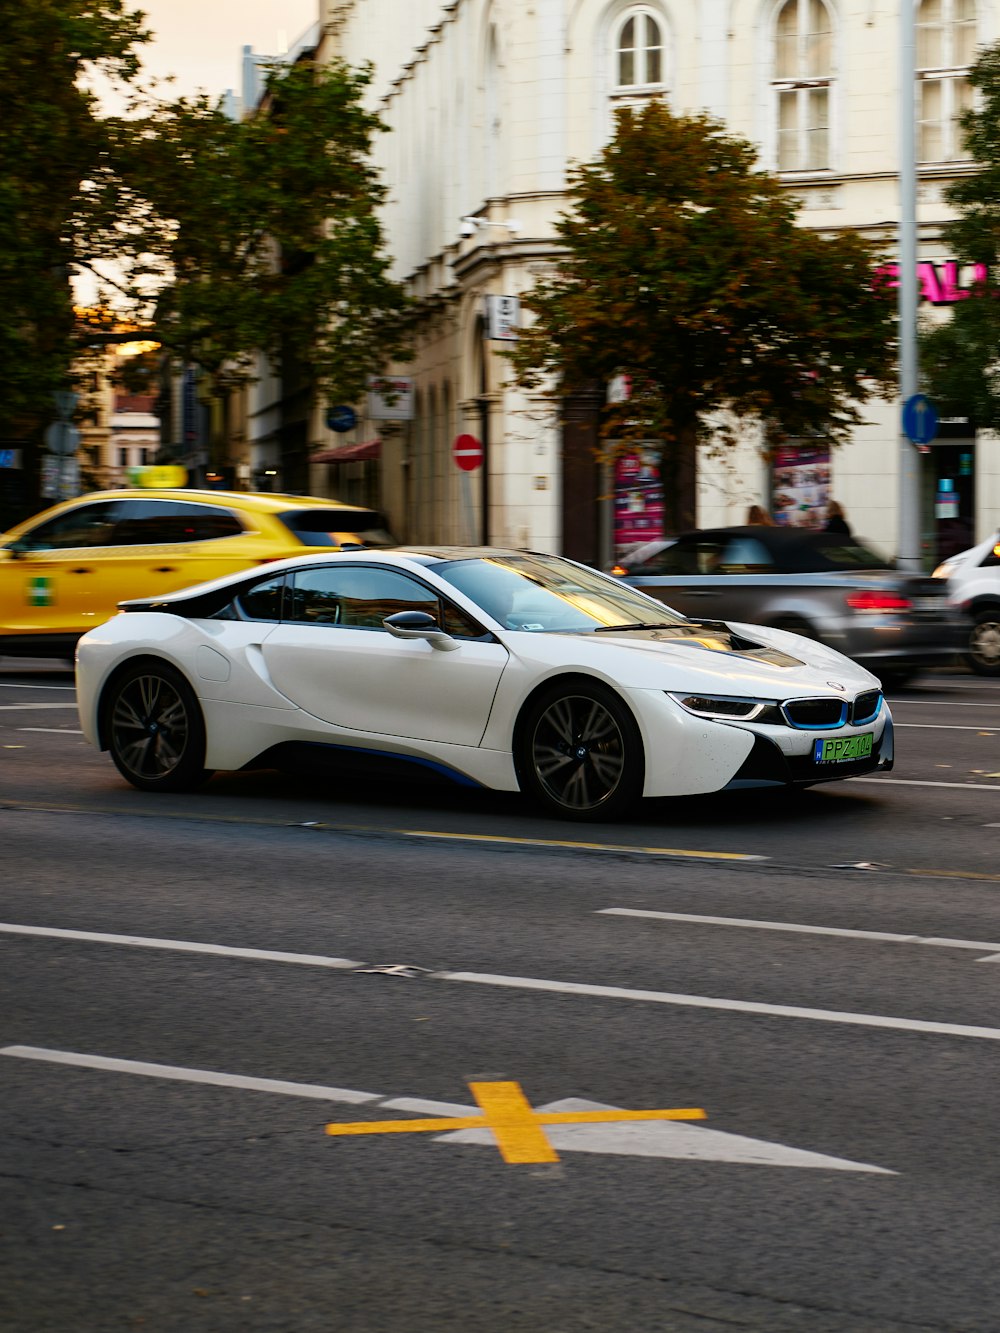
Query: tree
[(960, 359), (684, 268), (50, 140), (260, 235)]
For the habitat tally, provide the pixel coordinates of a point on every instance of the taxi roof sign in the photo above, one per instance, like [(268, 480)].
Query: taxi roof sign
[(161, 477)]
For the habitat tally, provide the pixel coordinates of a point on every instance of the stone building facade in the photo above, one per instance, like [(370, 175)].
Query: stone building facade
[(489, 101)]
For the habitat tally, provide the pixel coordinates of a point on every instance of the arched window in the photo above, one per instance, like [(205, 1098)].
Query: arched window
[(803, 71), (946, 45), (638, 52)]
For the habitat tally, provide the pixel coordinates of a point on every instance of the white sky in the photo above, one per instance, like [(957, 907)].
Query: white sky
[(201, 42)]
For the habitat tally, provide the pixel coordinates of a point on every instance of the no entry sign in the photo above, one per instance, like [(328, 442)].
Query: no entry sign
[(467, 452)]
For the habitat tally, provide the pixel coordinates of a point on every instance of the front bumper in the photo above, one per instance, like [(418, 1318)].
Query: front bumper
[(768, 766)]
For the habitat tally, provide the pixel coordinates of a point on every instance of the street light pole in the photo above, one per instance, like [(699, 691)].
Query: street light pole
[(909, 458)]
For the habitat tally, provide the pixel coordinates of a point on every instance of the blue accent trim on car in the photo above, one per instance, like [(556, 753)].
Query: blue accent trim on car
[(862, 721), (452, 774)]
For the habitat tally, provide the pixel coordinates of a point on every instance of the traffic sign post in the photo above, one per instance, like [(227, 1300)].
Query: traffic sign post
[(467, 452), (920, 420), (341, 419)]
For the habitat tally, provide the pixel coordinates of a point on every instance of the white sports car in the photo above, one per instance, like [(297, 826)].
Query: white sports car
[(495, 668)]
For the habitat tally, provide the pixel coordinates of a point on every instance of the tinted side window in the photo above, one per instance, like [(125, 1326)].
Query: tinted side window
[(263, 600), (356, 596), (338, 527), (168, 522), (89, 525)]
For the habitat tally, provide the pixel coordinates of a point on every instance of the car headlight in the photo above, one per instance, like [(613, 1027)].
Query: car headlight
[(944, 570), (728, 707)]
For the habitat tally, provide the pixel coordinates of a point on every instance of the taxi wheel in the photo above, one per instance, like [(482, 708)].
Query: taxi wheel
[(983, 647), (579, 753), (155, 730)]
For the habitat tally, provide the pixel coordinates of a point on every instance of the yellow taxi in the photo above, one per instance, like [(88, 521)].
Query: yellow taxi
[(66, 569)]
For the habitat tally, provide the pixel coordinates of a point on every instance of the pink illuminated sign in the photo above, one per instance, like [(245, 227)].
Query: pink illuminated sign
[(939, 282)]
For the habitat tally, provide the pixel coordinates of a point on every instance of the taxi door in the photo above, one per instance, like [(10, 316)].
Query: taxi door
[(49, 578)]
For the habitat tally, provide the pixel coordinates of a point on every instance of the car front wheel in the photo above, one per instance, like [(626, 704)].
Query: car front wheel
[(579, 753), (983, 648), (155, 730)]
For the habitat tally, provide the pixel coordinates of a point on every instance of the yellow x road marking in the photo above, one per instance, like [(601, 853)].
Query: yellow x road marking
[(515, 1124)]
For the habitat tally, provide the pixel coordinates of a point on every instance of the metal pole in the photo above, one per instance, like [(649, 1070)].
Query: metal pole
[(909, 457)]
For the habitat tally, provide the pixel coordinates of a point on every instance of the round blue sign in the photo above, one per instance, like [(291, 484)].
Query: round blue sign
[(341, 419), (920, 419)]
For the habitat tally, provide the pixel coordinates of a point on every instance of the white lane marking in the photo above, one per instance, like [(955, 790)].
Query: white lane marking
[(665, 1138), (21, 708), (940, 703), (15, 685), (632, 1140), (180, 946), (733, 1006), (748, 923), (184, 1075), (919, 782), (941, 726), (53, 731)]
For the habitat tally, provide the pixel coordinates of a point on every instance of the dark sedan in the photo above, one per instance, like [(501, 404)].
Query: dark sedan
[(824, 585)]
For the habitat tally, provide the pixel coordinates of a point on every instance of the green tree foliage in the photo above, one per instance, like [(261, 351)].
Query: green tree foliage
[(50, 140), (685, 269), (257, 235), (960, 359)]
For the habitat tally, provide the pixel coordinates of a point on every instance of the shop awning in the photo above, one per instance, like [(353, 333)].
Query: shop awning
[(349, 453)]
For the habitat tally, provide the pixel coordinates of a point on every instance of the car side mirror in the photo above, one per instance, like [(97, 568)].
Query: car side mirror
[(419, 625), (17, 550)]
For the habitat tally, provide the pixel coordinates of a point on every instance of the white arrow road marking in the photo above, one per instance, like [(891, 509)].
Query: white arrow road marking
[(645, 1139), (666, 1138)]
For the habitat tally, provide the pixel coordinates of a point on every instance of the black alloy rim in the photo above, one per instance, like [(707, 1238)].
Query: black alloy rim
[(150, 727), (578, 752)]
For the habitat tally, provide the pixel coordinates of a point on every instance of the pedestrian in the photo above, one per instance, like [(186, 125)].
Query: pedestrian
[(835, 520), (757, 516)]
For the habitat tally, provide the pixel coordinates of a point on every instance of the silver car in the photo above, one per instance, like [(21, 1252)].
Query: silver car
[(824, 585)]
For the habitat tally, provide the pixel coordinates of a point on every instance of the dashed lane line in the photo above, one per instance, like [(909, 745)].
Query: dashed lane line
[(539, 984), (179, 946), (747, 923), (920, 782)]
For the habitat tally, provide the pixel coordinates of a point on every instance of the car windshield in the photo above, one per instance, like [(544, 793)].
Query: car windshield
[(541, 593), (338, 527)]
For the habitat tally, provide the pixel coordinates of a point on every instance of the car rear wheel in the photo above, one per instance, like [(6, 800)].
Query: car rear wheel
[(983, 648), (155, 730), (579, 753)]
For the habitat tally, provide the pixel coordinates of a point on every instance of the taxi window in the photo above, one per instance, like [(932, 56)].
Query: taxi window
[(338, 527), (87, 525), (168, 522), (356, 596)]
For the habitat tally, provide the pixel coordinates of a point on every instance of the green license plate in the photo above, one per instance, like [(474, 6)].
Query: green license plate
[(836, 750)]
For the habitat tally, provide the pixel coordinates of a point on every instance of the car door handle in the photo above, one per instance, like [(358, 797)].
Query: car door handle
[(164, 569), (81, 570), (703, 592)]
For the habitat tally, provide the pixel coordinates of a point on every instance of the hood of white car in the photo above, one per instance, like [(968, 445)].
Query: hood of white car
[(731, 659)]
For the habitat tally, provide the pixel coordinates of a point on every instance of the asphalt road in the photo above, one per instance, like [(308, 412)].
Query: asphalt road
[(186, 1007)]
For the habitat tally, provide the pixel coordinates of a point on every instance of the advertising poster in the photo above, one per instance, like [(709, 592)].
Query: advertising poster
[(800, 486), (638, 499)]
